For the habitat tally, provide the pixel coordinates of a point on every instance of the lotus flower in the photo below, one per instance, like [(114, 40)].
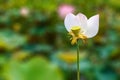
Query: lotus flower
[(24, 11), (79, 27), (64, 9)]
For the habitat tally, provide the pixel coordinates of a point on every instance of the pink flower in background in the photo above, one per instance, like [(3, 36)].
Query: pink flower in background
[(63, 10), (24, 11)]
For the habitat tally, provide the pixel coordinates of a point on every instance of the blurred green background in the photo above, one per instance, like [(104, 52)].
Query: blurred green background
[(34, 44)]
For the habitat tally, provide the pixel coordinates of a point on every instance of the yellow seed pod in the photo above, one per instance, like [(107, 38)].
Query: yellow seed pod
[(75, 30)]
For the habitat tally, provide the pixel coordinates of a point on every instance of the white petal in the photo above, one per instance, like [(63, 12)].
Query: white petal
[(82, 20), (70, 21), (92, 26)]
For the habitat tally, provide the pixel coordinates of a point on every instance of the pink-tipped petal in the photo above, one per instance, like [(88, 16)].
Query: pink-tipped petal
[(92, 26), (70, 21)]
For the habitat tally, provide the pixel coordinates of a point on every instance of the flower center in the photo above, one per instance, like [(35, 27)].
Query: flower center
[(75, 30), (76, 34)]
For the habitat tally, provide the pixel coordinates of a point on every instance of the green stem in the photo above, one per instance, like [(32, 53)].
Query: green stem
[(78, 68)]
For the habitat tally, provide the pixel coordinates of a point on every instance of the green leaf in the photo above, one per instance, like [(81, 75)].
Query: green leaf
[(35, 69)]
